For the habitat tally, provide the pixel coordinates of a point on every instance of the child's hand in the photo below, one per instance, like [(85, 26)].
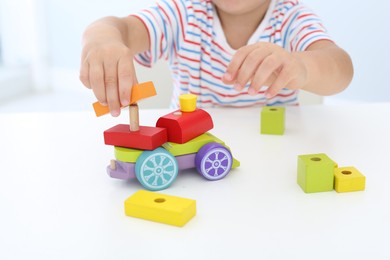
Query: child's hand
[(265, 64), (107, 68)]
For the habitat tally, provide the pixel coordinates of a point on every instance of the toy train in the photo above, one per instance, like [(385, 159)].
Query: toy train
[(180, 140)]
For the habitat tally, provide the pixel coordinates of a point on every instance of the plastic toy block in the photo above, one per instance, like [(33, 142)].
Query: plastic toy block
[(142, 91), (349, 179), (100, 109), (124, 154), (138, 92), (183, 126), (122, 170), (315, 172), (161, 208), (272, 120), (186, 161), (191, 146), (147, 138), (187, 102), (236, 163)]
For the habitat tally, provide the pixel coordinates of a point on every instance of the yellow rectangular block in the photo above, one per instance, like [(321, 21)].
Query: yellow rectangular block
[(349, 179), (161, 208)]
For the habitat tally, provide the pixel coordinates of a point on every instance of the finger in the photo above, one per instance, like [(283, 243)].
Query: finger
[(84, 74), (249, 67), (264, 72), (126, 79), (283, 79), (235, 63), (96, 79), (84, 71), (111, 86)]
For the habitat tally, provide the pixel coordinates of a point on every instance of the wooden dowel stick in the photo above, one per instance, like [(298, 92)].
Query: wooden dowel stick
[(113, 165), (134, 117)]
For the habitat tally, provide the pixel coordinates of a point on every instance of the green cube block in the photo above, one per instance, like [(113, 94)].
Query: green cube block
[(315, 172), (272, 120)]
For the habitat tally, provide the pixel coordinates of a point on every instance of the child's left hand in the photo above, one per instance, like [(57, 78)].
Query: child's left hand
[(265, 64)]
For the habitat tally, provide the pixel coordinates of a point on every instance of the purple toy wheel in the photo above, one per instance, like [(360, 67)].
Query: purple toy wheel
[(213, 161)]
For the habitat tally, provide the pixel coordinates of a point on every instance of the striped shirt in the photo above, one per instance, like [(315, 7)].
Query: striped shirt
[(189, 35)]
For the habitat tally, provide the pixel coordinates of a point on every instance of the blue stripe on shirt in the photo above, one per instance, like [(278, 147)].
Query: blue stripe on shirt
[(216, 98), (174, 14), (154, 36), (284, 102), (302, 47), (288, 28)]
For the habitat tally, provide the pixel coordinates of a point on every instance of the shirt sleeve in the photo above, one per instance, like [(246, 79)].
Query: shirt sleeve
[(165, 22), (302, 28)]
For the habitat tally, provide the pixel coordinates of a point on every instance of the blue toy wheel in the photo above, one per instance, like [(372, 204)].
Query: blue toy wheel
[(213, 161), (156, 170)]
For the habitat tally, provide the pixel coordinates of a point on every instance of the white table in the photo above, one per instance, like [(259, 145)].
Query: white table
[(57, 202)]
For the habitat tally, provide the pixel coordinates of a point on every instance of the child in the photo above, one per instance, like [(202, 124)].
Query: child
[(228, 52)]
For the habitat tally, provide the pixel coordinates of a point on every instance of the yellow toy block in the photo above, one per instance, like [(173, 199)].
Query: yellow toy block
[(191, 146), (187, 102), (349, 179), (127, 154), (161, 208)]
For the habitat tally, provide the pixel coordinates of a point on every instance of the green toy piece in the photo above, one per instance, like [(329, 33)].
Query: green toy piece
[(272, 120), (315, 172), (127, 154), (191, 146)]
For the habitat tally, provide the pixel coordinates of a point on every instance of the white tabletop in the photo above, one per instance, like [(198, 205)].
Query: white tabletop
[(57, 201)]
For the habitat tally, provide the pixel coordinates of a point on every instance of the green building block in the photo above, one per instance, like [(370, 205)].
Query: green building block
[(191, 146), (272, 120), (127, 154), (315, 172)]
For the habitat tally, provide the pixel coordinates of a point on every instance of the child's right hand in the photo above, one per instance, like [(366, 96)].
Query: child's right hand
[(107, 68)]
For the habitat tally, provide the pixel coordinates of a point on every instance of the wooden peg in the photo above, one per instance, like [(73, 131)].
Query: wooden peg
[(134, 117), (113, 165)]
